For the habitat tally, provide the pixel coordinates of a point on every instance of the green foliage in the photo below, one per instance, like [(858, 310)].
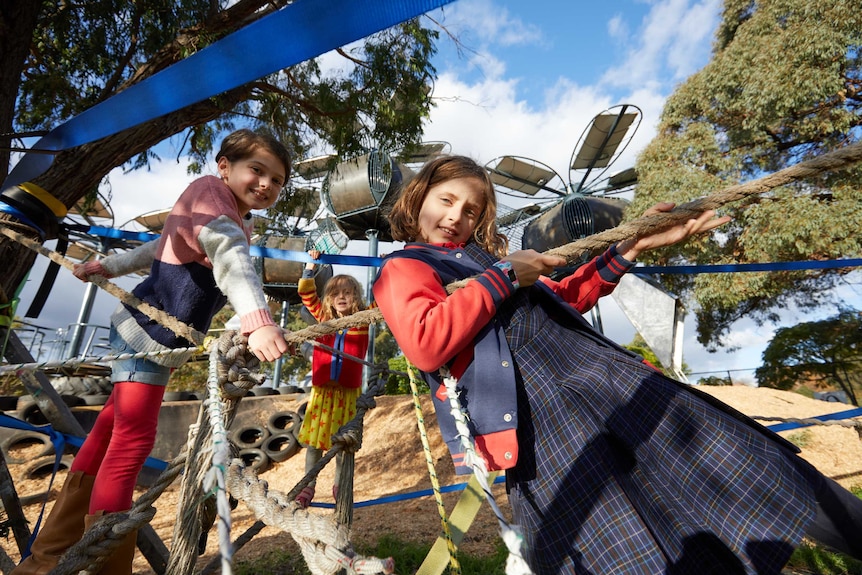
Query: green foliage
[(827, 352), (815, 559), (714, 380), (83, 53), (782, 87), (398, 384)]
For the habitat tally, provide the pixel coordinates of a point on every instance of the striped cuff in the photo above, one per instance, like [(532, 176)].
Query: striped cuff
[(612, 266), (496, 281)]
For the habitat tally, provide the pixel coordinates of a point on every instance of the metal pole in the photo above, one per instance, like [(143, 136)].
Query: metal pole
[(276, 374), (372, 236), (83, 319), (597, 318)]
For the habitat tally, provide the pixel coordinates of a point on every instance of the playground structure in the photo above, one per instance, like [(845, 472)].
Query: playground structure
[(208, 472), (218, 411)]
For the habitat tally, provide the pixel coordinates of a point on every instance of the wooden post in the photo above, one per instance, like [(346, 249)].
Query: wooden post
[(12, 506)]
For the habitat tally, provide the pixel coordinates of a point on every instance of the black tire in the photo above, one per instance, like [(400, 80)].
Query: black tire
[(249, 437), (24, 440), (43, 467), (281, 447), (255, 459), (8, 402), (177, 396), (301, 409), (29, 411), (284, 422), (72, 400), (288, 390), (260, 391)]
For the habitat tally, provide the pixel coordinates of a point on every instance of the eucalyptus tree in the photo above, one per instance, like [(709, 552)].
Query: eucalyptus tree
[(784, 84), (60, 58)]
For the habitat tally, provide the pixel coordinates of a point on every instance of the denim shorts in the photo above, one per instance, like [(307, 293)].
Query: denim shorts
[(141, 370)]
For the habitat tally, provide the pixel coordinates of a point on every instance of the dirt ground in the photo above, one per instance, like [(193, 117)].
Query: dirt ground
[(392, 461)]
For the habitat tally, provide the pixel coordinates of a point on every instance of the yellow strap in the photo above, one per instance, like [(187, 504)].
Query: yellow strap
[(460, 519), (449, 544), (41, 194)]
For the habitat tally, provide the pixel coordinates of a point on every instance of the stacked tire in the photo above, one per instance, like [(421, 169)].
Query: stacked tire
[(260, 446)]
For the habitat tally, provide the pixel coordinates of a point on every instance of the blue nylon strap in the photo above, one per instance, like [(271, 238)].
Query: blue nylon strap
[(849, 414), (19, 215), (298, 32), (256, 251), (754, 267)]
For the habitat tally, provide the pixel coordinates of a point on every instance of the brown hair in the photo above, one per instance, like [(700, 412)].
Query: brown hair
[(243, 143), (404, 216), (335, 284)]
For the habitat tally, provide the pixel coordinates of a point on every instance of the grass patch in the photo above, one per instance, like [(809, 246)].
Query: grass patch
[(408, 557), (801, 438), (814, 559)]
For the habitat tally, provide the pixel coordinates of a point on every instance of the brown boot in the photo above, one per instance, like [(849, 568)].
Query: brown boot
[(120, 561), (63, 527)]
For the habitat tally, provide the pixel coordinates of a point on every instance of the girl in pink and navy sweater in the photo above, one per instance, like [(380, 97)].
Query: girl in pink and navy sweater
[(200, 262)]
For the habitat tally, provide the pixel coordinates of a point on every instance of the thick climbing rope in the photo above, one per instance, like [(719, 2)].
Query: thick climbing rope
[(75, 362), (454, 564), (151, 312), (204, 476), (515, 562), (322, 540)]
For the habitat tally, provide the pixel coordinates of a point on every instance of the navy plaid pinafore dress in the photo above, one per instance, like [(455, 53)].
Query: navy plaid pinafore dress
[(623, 470)]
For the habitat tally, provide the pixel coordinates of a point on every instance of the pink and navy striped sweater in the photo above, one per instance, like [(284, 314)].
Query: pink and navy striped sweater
[(200, 262)]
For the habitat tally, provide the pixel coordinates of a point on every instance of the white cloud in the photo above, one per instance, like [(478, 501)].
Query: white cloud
[(489, 23), (671, 44)]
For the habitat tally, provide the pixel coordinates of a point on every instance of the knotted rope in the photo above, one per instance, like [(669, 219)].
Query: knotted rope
[(346, 440), (232, 372), (165, 319), (104, 536), (323, 541), (515, 562)]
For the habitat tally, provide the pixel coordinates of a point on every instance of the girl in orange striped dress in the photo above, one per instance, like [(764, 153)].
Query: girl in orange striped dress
[(336, 380)]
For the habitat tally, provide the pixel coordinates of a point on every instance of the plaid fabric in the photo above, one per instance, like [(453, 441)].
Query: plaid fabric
[(623, 470)]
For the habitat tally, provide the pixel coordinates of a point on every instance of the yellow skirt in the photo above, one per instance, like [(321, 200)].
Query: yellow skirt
[(328, 409)]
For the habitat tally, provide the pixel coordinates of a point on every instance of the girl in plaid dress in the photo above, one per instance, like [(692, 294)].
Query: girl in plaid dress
[(336, 381), (611, 467)]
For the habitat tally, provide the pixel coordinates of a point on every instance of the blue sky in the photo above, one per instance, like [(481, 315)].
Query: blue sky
[(527, 81)]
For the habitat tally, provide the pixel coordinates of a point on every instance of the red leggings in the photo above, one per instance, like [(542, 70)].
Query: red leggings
[(119, 443)]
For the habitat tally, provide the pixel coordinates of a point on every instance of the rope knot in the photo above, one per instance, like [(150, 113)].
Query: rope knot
[(237, 367), (349, 437)]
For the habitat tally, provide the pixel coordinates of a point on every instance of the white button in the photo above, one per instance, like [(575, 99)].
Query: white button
[(458, 255), (507, 417), (508, 455), (505, 364)]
